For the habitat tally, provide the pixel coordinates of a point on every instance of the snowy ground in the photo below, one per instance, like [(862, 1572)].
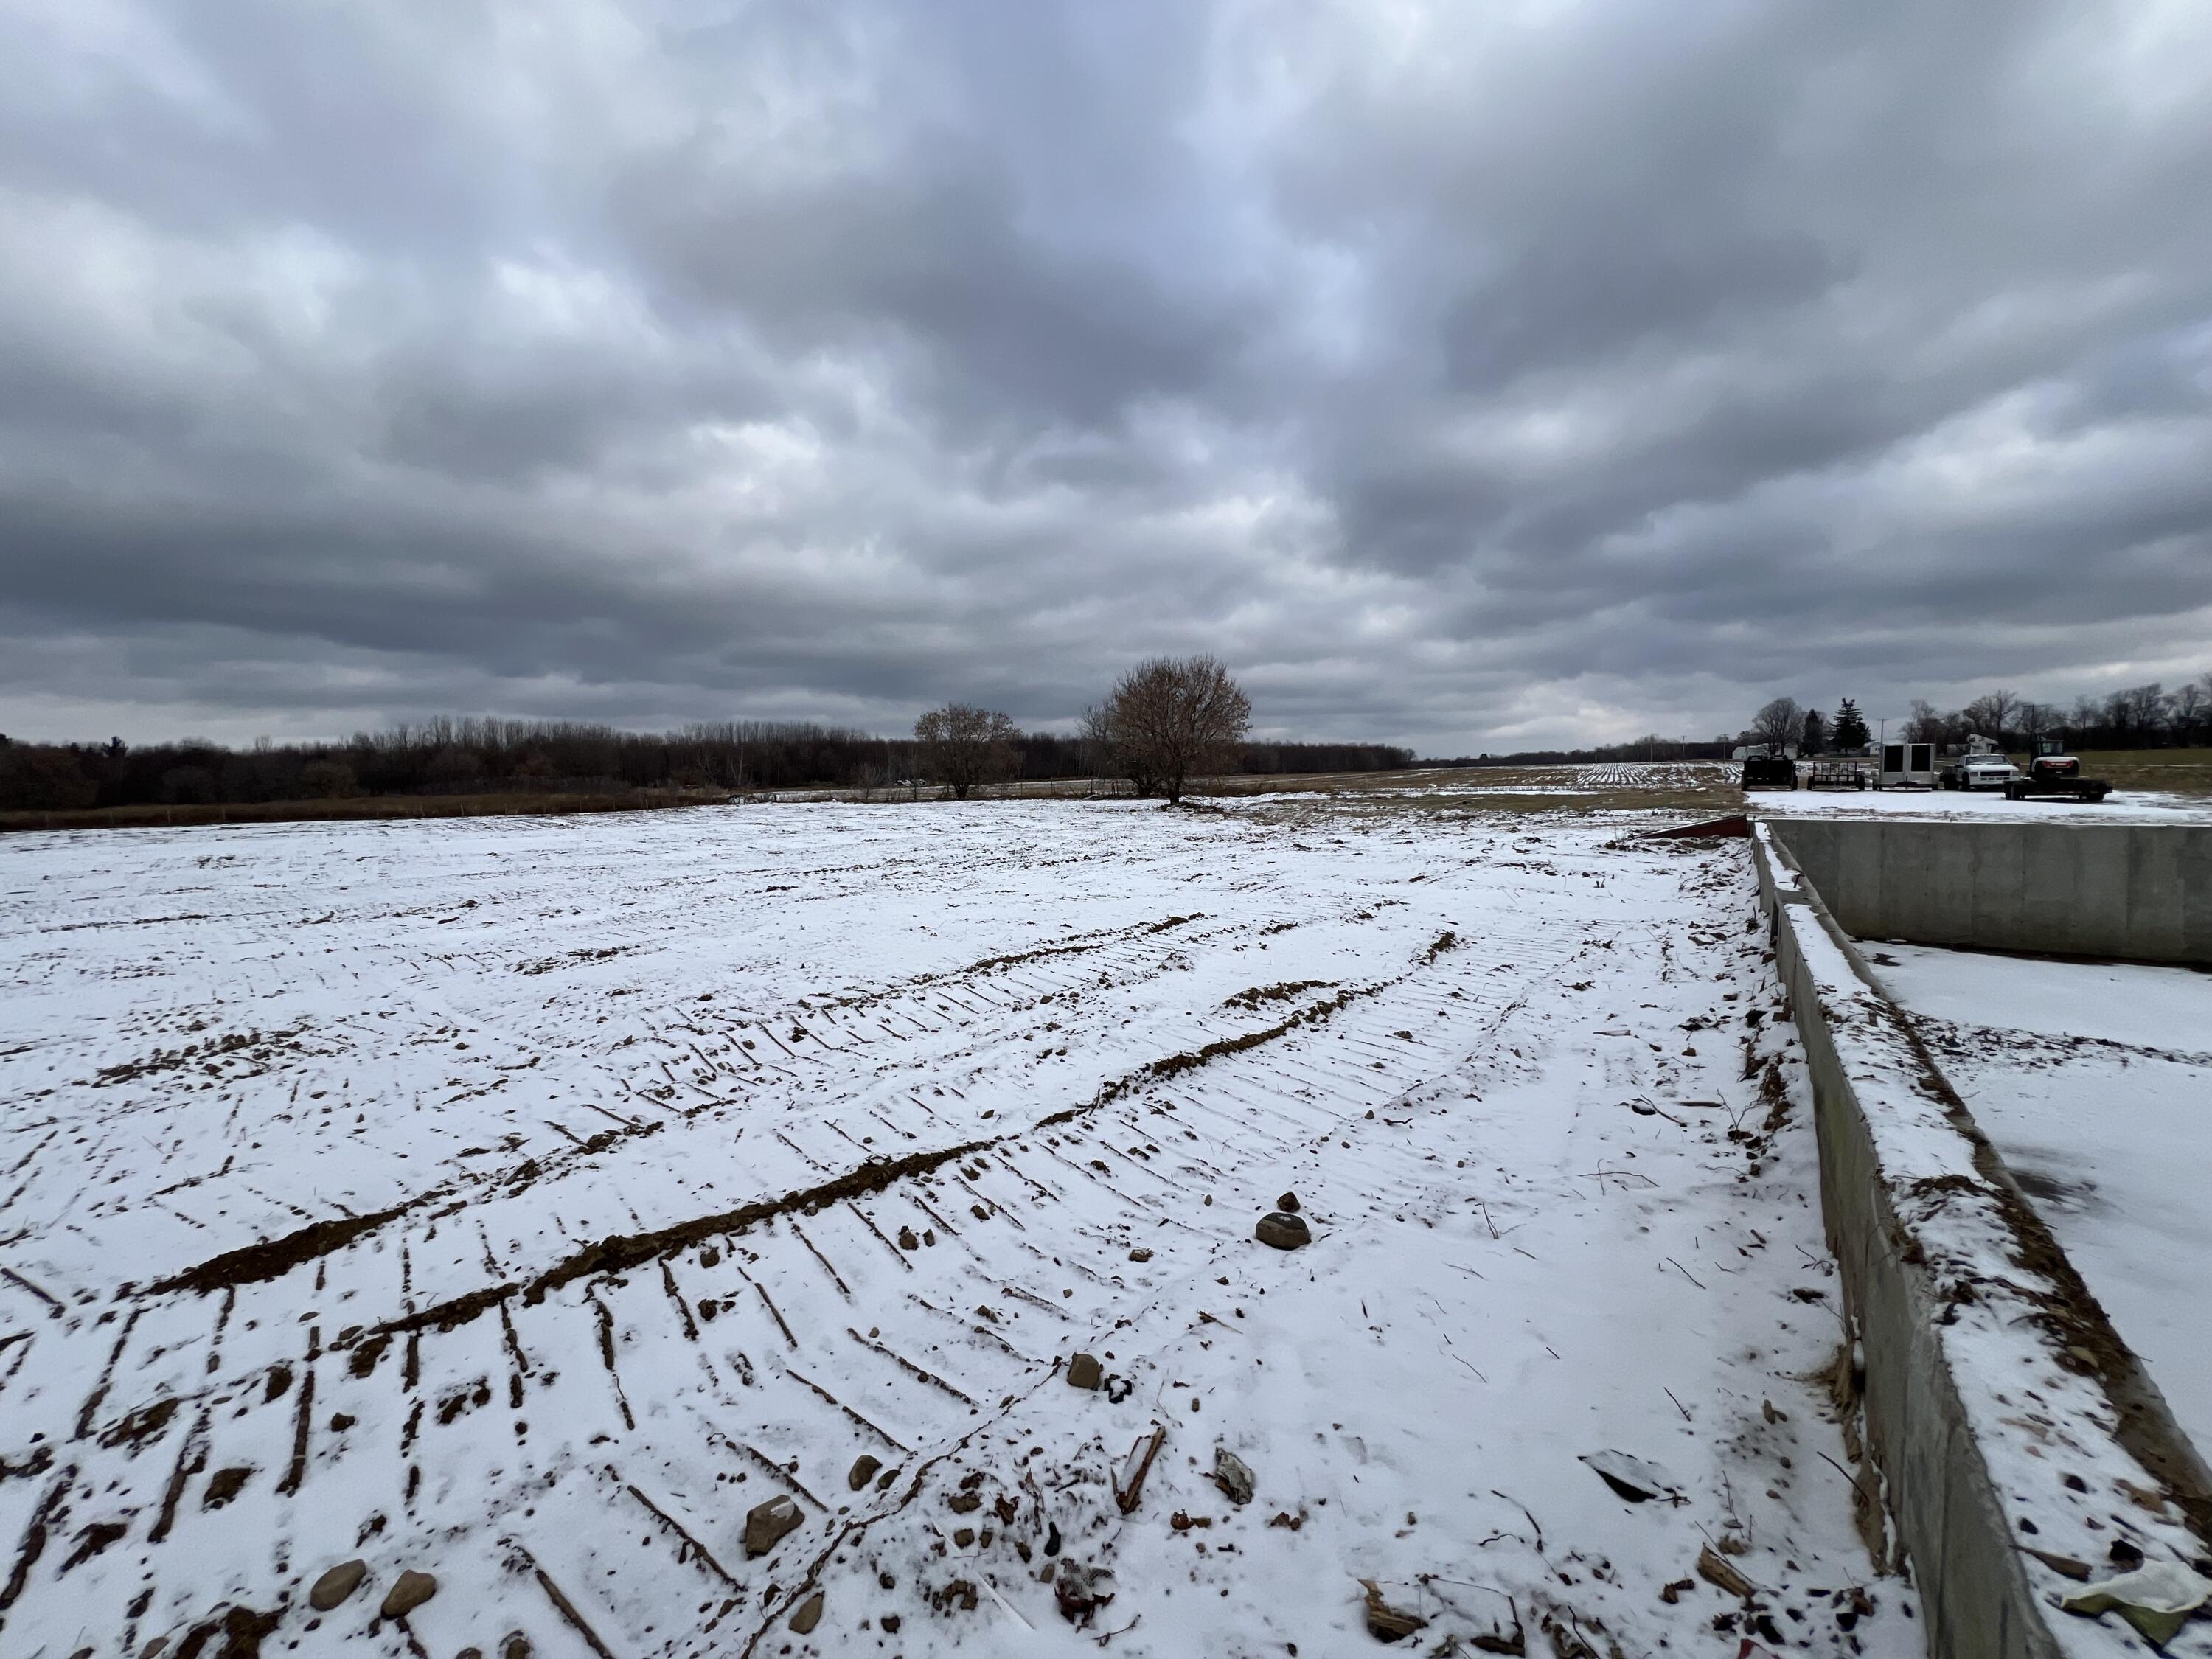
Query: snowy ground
[(2095, 1081), (524, 1200)]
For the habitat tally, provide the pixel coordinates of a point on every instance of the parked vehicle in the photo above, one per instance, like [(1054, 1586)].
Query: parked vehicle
[(1762, 771), (2053, 774), (1983, 771), (1908, 766)]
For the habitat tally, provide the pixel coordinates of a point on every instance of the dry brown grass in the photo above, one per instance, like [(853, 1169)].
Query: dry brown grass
[(2181, 771)]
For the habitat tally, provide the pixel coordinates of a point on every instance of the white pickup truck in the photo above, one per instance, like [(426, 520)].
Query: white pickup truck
[(1978, 772)]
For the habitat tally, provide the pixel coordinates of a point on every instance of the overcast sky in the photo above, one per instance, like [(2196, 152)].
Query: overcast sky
[(1473, 376)]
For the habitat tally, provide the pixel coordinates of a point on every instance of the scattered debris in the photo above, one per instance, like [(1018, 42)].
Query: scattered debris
[(2156, 1599), (1081, 1591), (1129, 1484), (1283, 1230), (2065, 1565), (1634, 1478), (1233, 1476), (1717, 1572), (1384, 1622)]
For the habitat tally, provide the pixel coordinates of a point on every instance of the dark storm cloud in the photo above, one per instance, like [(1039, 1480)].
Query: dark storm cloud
[(1468, 376)]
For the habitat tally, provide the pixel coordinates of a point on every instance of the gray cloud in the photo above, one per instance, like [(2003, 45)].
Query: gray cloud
[(1466, 376)]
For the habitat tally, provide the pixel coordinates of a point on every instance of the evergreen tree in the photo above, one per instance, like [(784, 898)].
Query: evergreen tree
[(1850, 731), (1814, 736)]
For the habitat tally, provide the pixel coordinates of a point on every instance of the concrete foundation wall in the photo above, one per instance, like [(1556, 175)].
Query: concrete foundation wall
[(1976, 1597), (1916, 1205), (2143, 892)]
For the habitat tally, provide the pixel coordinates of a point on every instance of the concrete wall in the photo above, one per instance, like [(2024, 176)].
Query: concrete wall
[(2139, 892), (1975, 1599), (1876, 1093)]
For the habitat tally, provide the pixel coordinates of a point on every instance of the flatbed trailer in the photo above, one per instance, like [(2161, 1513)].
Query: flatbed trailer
[(2053, 775), (1836, 774), (2086, 789)]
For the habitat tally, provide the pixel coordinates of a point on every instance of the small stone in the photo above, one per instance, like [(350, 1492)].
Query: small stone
[(469, 1653), (864, 1470), (962, 1538), (411, 1591), (1140, 1253), (1288, 1203), (929, 1237), (884, 1480), (334, 1586), (1083, 1371), (516, 1646), (889, 1621), (908, 1240), (966, 1502), (767, 1523), (808, 1616), (1284, 1231), (887, 1581), (153, 1648), (1233, 1476)]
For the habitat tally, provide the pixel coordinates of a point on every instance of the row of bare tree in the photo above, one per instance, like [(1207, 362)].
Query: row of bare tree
[(2135, 717), (1166, 721)]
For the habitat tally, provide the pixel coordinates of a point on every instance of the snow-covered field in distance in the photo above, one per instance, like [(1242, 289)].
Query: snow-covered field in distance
[(525, 1200), (2095, 1082)]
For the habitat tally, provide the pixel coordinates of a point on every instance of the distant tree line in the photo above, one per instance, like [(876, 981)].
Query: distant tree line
[(2148, 716), (451, 757), (1651, 748)]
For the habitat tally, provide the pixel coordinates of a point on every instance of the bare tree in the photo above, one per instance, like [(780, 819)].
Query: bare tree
[(961, 747), (1779, 724), (2137, 712), (1994, 714), (2190, 703), (1167, 721), (2034, 719)]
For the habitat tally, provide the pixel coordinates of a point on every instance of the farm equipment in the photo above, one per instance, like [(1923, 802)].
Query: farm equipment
[(1765, 771), (1836, 774), (2053, 774)]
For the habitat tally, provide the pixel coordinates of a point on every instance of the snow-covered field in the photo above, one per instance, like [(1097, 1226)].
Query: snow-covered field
[(525, 1200), (2095, 1082)]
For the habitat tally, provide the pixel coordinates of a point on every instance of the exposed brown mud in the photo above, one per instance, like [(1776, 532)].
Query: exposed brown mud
[(272, 1258)]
